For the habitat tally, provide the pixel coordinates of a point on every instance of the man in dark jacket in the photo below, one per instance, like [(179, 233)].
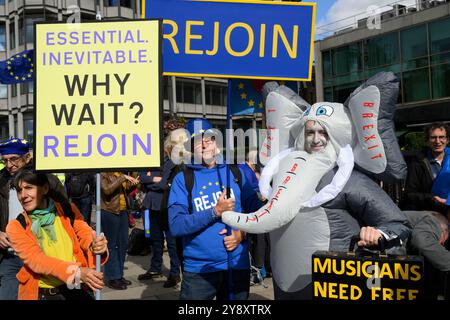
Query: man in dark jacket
[(80, 188), (428, 238), (155, 183), (423, 169), (14, 153)]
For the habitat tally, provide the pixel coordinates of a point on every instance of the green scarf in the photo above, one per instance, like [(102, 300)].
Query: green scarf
[(43, 218)]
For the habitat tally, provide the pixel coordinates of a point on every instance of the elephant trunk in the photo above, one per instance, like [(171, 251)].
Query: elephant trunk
[(295, 183)]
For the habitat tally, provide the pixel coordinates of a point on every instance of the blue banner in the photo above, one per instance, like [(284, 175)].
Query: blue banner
[(236, 39), (246, 97)]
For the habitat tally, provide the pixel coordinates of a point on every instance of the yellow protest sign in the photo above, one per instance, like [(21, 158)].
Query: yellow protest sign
[(97, 96)]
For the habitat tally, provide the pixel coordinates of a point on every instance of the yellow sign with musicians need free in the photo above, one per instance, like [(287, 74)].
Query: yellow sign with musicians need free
[(97, 96)]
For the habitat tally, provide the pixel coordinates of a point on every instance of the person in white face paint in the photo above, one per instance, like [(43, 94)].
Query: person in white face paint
[(316, 137), (316, 140)]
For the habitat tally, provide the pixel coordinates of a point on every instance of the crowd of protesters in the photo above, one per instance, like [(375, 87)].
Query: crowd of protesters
[(48, 247)]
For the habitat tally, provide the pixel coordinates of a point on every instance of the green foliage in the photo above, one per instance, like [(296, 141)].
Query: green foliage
[(414, 141)]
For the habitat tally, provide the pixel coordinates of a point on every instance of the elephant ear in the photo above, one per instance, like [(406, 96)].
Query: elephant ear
[(383, 161), (283, 108)]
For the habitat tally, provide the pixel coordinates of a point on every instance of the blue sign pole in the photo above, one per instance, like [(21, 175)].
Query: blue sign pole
[(228, 160)]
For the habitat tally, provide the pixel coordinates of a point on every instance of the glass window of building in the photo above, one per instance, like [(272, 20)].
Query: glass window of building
[(2, 37), (347, 59), (3, 91), (21, 32), (383, 50), (439, 36), (440, 77), (326, 65), (341, 92), (416, 85), (414, 47), (28, 127), (27, 87), (115, 3), (13, 90), (328, 94), (2, 2), (29, 26), (12, 36)]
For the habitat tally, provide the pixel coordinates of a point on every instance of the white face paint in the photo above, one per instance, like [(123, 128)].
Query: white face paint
[(316, 137)]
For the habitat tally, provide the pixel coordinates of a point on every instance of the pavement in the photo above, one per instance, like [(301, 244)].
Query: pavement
[(154, 290)]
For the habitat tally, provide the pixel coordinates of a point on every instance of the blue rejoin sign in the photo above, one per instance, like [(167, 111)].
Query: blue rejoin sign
[(236, 39)]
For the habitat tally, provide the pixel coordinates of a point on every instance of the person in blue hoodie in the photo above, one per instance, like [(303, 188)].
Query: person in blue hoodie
[(210, 251)]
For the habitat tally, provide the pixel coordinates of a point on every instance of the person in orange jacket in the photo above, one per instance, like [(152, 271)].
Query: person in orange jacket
[(57, 246)]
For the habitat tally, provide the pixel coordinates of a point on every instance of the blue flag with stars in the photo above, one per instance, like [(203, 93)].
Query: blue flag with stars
[(17, 69), (246, 97)]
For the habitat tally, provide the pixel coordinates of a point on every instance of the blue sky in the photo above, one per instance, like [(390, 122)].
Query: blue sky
[(347, 12)]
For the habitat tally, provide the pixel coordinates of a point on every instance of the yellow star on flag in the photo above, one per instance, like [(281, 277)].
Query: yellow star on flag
[(243, 96), (260, 105), (201, 192), (241, 85), (251, 103), (209, 183), (217, 183), (204, 187)]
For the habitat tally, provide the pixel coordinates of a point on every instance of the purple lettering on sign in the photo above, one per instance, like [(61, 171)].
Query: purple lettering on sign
[(124, 144), (89, 151), (74, 38), (139, 37), (85, 37), (107, 57), (142, 54), (49, 37), (99, 145), (120, 56), (99, 37), (52, 147), (69, 145), (62, 38), (68, 58), (146, 148)]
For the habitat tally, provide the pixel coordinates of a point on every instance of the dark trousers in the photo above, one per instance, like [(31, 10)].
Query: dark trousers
[(9, 285), (115, 228), (68, 294), (85, 207), (158, 236), (206, 286), (260, 250)]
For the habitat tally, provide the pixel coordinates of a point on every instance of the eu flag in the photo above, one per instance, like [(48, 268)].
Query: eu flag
[(17, 69), (246, 97)]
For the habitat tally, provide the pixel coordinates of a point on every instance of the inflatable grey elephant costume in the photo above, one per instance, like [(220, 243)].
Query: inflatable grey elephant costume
[(320, 200)]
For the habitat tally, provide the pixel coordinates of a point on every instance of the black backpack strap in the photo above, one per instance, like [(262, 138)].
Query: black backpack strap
[(237, 175), (189, 183), (22, 221)]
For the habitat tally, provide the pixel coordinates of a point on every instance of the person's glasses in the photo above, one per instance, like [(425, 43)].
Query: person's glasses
[(205, 140), (12, 160), (438, 137)]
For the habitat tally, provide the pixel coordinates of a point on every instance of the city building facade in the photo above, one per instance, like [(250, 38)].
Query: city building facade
[(195, 97), (413, 42)]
